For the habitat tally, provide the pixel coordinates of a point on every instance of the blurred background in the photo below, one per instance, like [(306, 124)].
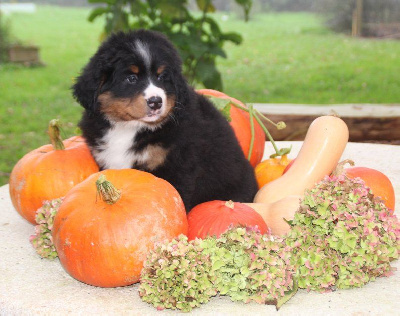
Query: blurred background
[(262, 51)]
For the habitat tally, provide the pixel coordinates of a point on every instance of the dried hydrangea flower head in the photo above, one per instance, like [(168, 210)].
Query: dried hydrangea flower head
[(176, 276), (42, 240), (342, 236), (241, 263), (252, 267)]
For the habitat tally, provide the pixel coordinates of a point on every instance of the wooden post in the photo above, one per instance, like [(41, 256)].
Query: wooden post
[(357, 19)]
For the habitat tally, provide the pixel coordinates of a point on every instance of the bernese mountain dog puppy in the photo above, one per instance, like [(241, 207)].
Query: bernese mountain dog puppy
[(141, 113)]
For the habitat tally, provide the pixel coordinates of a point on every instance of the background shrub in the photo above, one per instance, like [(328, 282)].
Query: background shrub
[(196, 35)]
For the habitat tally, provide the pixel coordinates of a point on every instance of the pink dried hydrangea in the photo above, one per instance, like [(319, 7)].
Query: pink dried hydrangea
[(342, 236), (253, 267), (176, 276), (42, 239), (241, 263)]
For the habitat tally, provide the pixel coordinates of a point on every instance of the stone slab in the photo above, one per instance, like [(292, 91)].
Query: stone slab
[(33, 286), (343, 110)]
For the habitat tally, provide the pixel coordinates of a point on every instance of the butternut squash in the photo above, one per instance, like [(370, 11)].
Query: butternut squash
[(323, 146), (276, 214)]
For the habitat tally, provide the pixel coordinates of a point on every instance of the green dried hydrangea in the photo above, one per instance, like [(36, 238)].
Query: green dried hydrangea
[(42, 240), (241, 263), (175, 275), (342, 236), (251, 267)]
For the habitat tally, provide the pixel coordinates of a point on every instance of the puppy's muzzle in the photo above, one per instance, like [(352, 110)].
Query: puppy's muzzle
[(154, 103)]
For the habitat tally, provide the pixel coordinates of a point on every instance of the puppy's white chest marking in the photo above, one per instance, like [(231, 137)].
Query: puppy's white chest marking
[(115, 149)]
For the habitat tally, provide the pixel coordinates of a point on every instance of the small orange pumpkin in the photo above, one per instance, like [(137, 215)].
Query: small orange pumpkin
[(49, 172), (215, 217), (240, 122), (270, 169), (378, 182), (104, 229)]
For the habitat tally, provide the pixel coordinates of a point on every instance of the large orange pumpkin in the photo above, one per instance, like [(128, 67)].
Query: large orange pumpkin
[(215, 217), (378, 182), (49, 172), (103, 236), (240, 122)]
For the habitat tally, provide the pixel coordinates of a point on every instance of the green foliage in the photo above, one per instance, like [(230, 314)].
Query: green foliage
[(197, 37)]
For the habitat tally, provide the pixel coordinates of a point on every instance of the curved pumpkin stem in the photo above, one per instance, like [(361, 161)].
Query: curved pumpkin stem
[(54, 133), (107, 191)]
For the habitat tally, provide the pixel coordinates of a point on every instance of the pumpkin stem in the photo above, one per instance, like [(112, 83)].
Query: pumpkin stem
[(54, 133), (107, 191), (230, 204)]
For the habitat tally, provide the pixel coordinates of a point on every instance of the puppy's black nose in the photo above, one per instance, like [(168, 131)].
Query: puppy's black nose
[(154, 103)]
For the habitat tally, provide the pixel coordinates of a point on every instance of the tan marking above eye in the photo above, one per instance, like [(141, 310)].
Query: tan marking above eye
[(160, 70), (134, 69)]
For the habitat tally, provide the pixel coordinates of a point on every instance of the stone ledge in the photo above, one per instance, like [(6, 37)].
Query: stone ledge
[(366, 122), (343, 110)]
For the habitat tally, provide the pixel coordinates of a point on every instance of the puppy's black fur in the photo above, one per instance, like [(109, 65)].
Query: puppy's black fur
[(182, 138)]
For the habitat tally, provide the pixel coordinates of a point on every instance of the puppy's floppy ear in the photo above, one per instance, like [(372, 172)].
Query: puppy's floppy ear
[(89, 83)]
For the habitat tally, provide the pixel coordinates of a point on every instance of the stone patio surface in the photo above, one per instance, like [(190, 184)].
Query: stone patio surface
[(33, 286)]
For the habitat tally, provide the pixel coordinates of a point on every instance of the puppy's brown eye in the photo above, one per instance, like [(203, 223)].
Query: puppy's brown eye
[(163, 76), (132, 78)]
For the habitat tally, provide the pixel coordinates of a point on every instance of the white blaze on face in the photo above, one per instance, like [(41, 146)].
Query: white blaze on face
[(151, 90), (144, 52)]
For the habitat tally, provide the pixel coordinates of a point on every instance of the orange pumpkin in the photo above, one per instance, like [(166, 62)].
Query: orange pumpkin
[(49, 172), (104, 230), (240, 122), (270, 169), (378, 182), (215, 217)]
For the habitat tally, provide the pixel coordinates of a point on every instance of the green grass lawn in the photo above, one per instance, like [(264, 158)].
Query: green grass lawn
[(286, 58)]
